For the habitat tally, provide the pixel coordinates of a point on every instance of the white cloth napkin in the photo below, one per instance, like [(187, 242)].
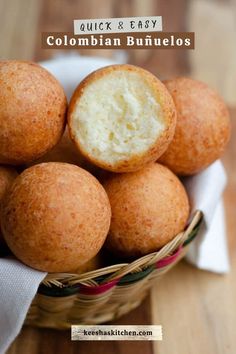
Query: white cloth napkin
[(18, 286), (71, 69), (19, 283), (209, 250)]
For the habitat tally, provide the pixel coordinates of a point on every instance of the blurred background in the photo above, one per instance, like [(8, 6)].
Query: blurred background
[(197, 309), (214, 22)]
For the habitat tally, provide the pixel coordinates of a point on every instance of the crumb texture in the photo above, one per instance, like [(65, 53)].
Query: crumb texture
[(117, 113)]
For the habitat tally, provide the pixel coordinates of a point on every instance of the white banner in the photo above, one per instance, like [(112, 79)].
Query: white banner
[(110, 332), (118, 25)]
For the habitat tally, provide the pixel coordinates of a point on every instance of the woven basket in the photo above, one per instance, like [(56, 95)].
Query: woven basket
[(108, 293)]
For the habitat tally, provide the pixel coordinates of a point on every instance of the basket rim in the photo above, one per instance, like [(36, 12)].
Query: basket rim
[(116, 272)]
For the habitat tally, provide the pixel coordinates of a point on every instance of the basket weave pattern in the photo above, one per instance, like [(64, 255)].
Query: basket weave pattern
[(108, 293)]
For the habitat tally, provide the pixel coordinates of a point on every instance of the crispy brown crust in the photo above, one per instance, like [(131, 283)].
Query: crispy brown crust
[(93, 264), (66, 151), (7, 176), (55, 217), (32, 111), (202, 130), (135, 162), (149, 208)]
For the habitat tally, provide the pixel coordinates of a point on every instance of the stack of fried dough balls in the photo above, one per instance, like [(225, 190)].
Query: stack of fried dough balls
[(124, 126)]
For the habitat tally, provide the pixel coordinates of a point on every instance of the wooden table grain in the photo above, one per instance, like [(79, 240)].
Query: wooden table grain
[(197, 309)]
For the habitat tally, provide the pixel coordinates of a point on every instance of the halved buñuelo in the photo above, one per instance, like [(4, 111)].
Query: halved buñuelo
[(121, 117)]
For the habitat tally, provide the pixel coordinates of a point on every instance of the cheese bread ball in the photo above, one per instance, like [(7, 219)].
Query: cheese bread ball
[(7, 176), (202, 130), (55, 217), (149, 208), (121, 117), (66, 151), (32, 111)]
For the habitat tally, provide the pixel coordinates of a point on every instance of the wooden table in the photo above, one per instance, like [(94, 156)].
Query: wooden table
[(196, 309)]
